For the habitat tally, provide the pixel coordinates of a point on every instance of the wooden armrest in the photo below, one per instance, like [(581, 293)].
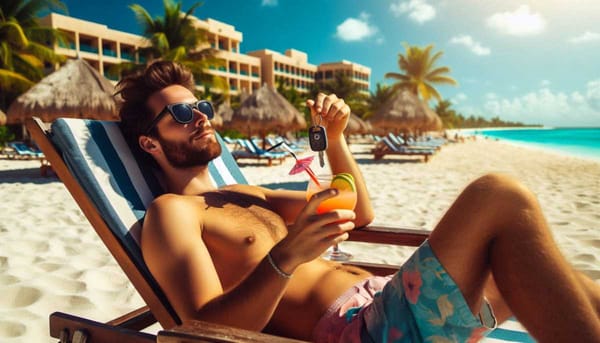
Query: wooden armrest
[(389, 235), (135, 320), (198, 331), (76, 329)]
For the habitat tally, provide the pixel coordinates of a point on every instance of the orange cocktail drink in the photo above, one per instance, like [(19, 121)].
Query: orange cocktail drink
[(346, 198)]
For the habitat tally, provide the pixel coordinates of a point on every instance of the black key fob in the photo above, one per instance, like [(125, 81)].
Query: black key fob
[(317, 136)]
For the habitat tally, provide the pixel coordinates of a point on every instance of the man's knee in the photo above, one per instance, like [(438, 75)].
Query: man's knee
[(501, 189)]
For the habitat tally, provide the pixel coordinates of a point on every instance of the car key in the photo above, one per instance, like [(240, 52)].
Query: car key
[(317, 137)]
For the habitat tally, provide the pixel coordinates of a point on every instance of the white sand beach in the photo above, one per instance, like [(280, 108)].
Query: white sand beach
[(52, 260)]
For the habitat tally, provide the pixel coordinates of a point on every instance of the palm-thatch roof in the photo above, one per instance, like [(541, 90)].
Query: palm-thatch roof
[(356, 126), (265, 111), (75, 90), (2, 118), (403, 111)]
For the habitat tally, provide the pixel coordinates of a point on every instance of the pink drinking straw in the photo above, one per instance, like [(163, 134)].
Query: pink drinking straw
[(303, 164)]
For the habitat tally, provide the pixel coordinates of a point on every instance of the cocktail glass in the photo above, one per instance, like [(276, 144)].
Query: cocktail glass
[(346, 199)]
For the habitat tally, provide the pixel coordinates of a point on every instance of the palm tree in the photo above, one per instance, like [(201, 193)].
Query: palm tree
[(174, 37), (344, 87), (446, 113), (377, 99), (420, 72), (24, 45)]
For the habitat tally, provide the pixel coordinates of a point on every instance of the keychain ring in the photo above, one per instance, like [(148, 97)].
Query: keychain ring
[(320, 119)]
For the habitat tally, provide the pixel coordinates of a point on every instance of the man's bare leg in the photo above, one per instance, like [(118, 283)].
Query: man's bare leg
[(497, 226)]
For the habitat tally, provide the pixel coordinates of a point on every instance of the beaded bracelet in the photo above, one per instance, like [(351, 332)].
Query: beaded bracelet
[(276, 268)]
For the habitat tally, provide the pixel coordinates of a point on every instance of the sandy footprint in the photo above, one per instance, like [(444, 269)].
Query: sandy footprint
[(10, 329), (49, 266), (33, 246), (74, 302), (7, 279), (61, 284), (100, 279), (18, 296)]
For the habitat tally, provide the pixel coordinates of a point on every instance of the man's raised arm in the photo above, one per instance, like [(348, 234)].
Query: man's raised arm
[(335, 113)]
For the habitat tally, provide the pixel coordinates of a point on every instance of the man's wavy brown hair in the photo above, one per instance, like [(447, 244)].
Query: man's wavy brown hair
[(135, 90)]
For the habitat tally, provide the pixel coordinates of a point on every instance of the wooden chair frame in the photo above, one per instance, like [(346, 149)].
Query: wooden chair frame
[(70, 328)]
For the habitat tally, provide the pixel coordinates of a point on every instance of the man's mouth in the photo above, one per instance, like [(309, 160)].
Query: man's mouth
[(202, 134)]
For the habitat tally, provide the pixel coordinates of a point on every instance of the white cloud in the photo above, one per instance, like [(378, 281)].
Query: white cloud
[(269, 3), (470, 43), (545, 83), (593, 94), (521, 22), (459, 98), (491, 96), (586, 37), (353, 29), (418, 10), (547, 107)]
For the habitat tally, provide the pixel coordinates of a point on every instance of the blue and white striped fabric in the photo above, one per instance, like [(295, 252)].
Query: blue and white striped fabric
[(101, 161), (510, 331)]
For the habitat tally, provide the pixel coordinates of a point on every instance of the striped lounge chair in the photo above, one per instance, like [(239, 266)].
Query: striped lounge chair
[(104, 177)]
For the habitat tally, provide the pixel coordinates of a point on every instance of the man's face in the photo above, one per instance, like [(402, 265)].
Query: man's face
[(184, 145)]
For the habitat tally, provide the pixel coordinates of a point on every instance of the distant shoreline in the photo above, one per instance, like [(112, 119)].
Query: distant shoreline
[(590, 152)]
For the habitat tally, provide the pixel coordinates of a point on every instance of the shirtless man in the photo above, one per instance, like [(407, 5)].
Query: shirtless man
[(248, 256)]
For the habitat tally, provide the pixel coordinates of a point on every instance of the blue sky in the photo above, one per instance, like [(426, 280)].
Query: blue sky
[(529, 61)]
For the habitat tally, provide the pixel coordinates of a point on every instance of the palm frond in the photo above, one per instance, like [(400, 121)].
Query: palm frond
[(13, 82), (446, 80), (396, 76), (44, 53), (438, 71), (12, 32)]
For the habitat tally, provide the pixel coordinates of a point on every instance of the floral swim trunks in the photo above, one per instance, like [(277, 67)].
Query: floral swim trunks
[(420, 303)]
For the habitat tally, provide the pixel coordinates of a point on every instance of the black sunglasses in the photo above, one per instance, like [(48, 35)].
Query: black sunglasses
[(183, 113)]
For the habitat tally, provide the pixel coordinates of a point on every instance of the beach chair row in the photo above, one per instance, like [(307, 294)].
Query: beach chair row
[(394, 145)]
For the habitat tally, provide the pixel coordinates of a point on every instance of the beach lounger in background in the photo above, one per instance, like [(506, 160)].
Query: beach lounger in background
[(105, 179), (23, 151), (249, 150), (20, 150), (280, 140), (412, 144), (387, 147)]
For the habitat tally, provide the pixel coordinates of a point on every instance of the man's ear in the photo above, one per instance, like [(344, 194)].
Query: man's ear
[(148, 144)]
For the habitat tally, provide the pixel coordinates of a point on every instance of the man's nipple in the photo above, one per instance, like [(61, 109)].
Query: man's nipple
[(250, 239)]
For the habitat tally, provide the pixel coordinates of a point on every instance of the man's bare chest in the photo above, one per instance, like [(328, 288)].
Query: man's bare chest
[(240, 221)]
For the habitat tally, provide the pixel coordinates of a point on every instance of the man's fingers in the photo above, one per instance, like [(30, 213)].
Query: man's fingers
[(316, 199), (318, 105), (338, 110), (328, 101), (310, 104)]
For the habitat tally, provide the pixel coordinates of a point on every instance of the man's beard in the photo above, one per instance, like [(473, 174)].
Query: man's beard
[(186, 155)]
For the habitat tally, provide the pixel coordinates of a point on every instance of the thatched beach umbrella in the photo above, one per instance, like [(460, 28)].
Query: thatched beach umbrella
[(2, 118), (356, 126), (222, 116), (404, 111), (265, 111), (432, 122), (75, 90)]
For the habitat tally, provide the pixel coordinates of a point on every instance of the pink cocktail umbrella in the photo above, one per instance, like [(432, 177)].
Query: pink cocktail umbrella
[(303, 164)]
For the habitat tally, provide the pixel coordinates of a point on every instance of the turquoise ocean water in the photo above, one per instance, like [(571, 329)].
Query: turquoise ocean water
[(580, 142)]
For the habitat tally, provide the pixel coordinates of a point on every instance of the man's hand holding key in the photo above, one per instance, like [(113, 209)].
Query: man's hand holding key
[(330, 114)]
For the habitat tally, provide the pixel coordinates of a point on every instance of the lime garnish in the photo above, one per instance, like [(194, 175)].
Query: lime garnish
[(343, 182)]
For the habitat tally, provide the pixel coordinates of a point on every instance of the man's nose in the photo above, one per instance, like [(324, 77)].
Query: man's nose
[(201, 117)]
